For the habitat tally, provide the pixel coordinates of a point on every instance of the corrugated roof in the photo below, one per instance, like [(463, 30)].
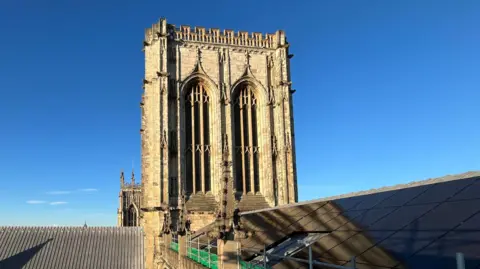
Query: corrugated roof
[(71, 247), (419, 225)]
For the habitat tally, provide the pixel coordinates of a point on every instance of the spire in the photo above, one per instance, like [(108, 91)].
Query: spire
[(133, 178), (122, 179), (85, 225)]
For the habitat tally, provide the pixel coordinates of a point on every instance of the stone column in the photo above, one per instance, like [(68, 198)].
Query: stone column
[(182, 250)]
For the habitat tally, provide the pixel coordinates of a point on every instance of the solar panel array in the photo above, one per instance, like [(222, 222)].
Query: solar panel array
[(417, 227)]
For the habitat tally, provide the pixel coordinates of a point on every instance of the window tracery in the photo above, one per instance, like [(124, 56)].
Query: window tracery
[(198, 149), (246, 141)]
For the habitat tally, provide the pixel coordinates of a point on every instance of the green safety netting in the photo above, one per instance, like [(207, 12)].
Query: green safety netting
[(212, 263), (174, 246), (206, 259)]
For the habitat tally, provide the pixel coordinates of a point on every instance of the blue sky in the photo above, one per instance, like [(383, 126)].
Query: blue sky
[(387, 93)]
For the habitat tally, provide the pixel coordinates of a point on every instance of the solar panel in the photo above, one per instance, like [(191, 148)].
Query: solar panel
[(403, 244), (471, 192), (347, 203), (403, 196), (441, 254), (342, 219), (446, 216), (369, 201), (441, 191), (400, 217), (317, 221), (472, 224), (352, 246), (405, 227), (367, 218), (331, 240)]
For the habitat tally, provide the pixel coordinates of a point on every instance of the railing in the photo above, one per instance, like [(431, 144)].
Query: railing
[(205, 258), (210, 260)]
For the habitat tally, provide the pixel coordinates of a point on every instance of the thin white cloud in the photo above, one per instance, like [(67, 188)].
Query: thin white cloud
[(58, 203), (58, 192), (34, 202), (88, 190)]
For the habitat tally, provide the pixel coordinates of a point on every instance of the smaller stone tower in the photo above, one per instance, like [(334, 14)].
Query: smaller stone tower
[(130, 198)]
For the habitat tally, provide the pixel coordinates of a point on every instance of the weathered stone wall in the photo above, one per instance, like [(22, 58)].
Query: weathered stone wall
[(200, 220)]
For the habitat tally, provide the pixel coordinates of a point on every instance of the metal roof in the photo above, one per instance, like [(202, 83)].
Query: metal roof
[(419, 225), (71, 247)]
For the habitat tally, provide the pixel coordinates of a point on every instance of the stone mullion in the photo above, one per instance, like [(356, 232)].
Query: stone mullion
[(202, 140), (194, 181), (250, 139), (242, 143)]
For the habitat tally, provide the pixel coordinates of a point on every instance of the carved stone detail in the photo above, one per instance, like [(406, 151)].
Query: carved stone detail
[(163, 140), (224, 93), (271, 95), (274, 146)]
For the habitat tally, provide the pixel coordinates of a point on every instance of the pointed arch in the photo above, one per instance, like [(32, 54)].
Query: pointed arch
[(246, 122), (198, 99), (200, 78), (131, 216), (257, 87)]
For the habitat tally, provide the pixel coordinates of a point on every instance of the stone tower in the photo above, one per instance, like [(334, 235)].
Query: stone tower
[(130, 199), (207, 92)]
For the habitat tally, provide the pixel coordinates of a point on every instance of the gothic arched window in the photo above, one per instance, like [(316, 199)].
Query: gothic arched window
[(197, 127), (131, 219), (246, 141)]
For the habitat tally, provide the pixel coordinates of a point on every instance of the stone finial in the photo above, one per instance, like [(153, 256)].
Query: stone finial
[(199, 55), (133, 178), (221, 55), (247, 58), (122, 179)]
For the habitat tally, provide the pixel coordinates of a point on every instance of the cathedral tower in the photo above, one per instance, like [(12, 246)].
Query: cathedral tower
[(130, 199), (208, 92)]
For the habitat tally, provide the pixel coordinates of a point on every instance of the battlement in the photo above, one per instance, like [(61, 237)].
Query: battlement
[(216, 36), (132, 185)]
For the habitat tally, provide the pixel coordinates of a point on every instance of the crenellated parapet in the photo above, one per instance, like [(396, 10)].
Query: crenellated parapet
[(185, 33), (157, 30)]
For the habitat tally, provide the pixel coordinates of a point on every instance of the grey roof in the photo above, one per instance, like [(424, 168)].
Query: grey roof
[(71, 247)]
